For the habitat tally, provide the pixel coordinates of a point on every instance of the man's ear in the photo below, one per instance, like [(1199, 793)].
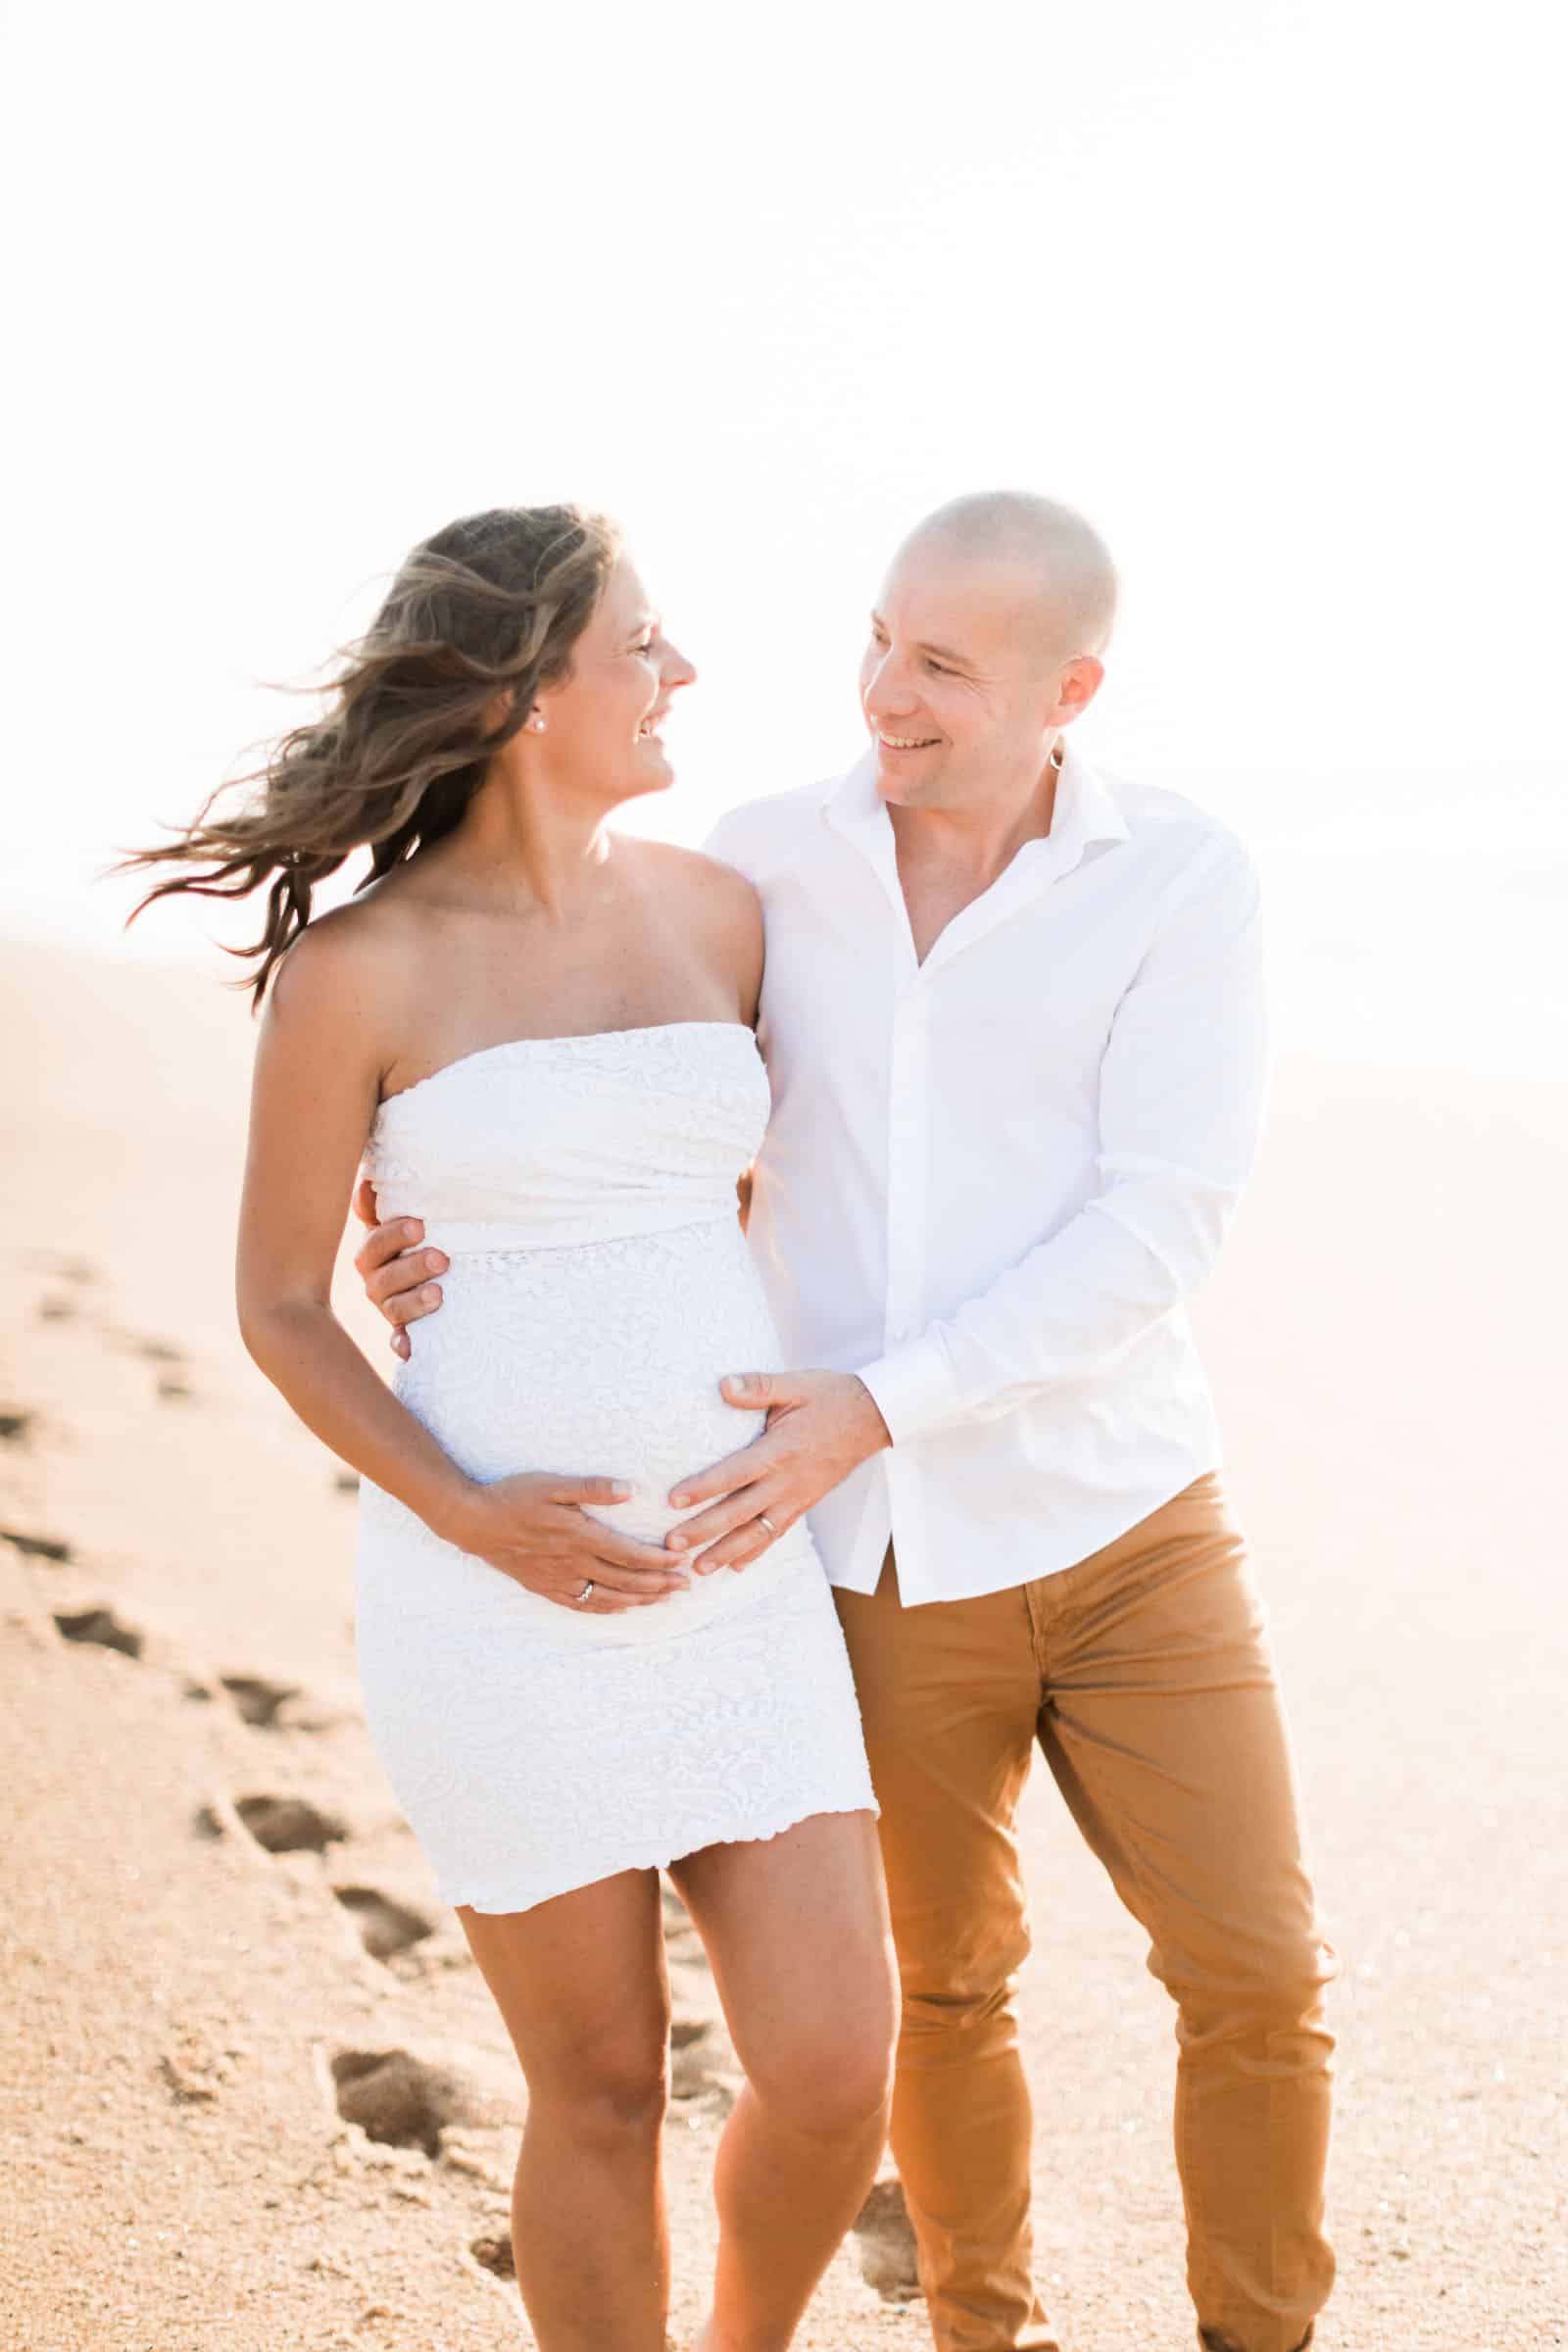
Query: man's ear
[(1077, 688)]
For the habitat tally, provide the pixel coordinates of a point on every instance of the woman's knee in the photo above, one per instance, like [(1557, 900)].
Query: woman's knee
[(608, 2089), (832, 2078)]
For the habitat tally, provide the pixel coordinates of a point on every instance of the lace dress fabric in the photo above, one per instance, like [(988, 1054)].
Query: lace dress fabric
[(599, 1286)]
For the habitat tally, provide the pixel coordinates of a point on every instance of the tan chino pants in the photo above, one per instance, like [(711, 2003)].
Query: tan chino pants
[(1145, 1673)]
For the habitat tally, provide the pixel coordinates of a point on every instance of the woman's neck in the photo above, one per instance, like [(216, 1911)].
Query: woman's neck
[(524, 843)]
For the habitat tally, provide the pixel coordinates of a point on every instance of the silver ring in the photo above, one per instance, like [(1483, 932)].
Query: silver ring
[(762, 1519), (586, 1592)]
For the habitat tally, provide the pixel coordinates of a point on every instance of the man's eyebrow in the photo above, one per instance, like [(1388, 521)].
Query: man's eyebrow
[(942, 653)]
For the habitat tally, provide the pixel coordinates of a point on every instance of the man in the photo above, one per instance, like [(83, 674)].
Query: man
[(1012, 1016)]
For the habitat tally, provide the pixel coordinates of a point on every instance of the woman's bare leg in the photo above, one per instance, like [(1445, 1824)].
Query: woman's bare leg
[(796, 1927), (580, 1982)]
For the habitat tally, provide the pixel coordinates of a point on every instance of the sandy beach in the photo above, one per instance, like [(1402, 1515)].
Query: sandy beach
[(256, 2094)]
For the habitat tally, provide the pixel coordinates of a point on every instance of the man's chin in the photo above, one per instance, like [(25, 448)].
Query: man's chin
[(901, 791), (899, 786)]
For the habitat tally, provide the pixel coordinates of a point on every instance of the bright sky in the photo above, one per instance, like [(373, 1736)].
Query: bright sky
[(1269, 287)]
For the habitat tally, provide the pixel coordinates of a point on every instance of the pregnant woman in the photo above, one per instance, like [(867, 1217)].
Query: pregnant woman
[(540, 1033)]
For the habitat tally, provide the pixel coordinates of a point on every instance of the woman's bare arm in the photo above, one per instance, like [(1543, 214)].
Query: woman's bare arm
[(319, 1063), (313, 1097)]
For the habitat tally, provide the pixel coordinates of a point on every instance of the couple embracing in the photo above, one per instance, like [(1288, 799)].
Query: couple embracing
[(770, 1557)]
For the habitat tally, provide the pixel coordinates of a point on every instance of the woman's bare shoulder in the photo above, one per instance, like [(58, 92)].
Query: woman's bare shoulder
[(715, 908), (352, 970), (703, 883)]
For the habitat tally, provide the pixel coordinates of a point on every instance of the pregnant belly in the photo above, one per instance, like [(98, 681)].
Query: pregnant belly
[(602, 1360)]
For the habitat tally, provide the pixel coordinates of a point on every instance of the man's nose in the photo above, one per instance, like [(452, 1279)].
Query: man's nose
[(887, 687)]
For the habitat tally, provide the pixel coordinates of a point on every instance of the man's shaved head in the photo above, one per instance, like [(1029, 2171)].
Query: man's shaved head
[(984, 645), (1039, 536)]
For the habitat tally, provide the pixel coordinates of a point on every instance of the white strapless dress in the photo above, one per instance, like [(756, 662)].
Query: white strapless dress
[(599, 1286)]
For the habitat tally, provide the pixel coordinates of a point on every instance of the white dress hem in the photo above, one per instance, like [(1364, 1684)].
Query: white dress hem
[(492, 1908)]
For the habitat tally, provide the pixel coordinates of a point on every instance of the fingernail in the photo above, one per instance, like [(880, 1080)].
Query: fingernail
[(427, 1296), (439, 1261), (411, 1231), (679, 1501), (679, 1542)]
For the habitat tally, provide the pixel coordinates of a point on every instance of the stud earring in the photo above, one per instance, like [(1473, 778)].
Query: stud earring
[(537, 724)]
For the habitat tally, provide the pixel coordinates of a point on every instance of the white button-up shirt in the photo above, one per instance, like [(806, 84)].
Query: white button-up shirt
[(992, 1180)]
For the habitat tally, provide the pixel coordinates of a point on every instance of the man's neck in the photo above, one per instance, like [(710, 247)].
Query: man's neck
[(950, 858), (981, 842)]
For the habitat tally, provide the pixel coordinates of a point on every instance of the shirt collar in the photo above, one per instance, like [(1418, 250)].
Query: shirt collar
[(854, 801), (1085, 813), (1086, 810)]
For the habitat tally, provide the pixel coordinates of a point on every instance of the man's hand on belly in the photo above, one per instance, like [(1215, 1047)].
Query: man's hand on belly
[(820, 1426), (395, 1271)]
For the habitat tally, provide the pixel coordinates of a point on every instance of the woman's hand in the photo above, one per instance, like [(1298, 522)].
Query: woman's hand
[(535, 1529)]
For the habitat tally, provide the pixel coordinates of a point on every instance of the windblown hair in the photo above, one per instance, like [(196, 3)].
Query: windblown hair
[(493, 601)]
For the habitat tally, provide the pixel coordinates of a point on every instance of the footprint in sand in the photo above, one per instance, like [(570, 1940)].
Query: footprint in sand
[(13, 1426), (174, 1387), (36, 1548), (155, 1351), (101, 1627), (386, 1927), (59, 1306), (173, 1383), (257, 1699), (701, 2064), (289, 1825), (69, 1269), (398, 2099), (886, 2244), (494, 2254)]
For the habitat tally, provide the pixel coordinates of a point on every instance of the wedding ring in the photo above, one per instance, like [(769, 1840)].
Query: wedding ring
[(586, 1592), (762, 1519)]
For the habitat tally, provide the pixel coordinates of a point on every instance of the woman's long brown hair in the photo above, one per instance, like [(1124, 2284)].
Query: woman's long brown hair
[(493, 601)]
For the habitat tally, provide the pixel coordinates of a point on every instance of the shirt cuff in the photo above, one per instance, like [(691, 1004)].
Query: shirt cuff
[(913, 1390)]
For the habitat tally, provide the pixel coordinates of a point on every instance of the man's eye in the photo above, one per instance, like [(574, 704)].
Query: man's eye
[(940, 667)]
